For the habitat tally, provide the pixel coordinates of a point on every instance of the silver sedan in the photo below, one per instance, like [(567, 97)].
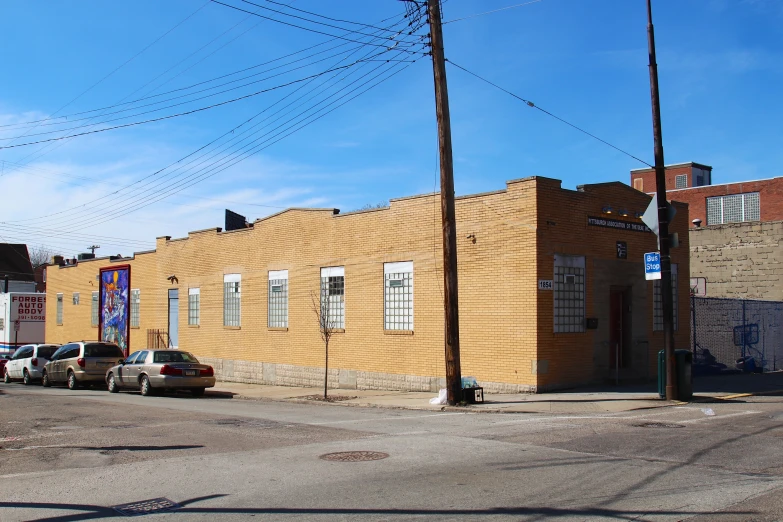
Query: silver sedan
[(154, 371)]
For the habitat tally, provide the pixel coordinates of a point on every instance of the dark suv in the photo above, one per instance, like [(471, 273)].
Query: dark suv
[(80, 363)]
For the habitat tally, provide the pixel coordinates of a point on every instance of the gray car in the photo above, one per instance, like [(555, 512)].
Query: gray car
[(154, 371), (80, 363)]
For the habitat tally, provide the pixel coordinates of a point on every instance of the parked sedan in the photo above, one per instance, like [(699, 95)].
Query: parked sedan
[(27, 362), (154, 371)]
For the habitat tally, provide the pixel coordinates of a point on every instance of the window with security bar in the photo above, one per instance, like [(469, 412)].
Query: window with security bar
[(59, 308), (135, 300), (278, 299), (734, 208), (76, 298), (681, 181), (398, 296), (658, 303), (232, 300), (333, 297), (94, 309), (194, 306), (569, 294)]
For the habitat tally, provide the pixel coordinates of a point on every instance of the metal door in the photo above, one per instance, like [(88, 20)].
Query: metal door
[(173, 318)]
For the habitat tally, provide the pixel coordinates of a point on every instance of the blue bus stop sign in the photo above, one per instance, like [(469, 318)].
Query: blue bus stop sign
[(652, 265)]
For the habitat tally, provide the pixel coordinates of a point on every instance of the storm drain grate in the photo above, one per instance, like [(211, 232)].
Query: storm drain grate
[(146, 507), (658, 425), (354, 456)]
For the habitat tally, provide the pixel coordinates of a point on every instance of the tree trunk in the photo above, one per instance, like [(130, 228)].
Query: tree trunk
[(326, 370)]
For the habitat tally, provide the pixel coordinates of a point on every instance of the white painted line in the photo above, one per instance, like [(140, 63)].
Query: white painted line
[(383, 419), (718, 417)]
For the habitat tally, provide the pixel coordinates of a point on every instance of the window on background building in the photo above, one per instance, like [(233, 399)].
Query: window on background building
[(135, 299), (76, 298), (94, 309), (194, 306), (658, 302), (638, 184), (398, 295), (277, 299), (232, 299), (569, 294), (59, 308), (333, 296), (681, 181), (734, 208)]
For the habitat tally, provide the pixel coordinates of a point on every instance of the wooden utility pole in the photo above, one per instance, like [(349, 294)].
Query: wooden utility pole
[(450, 300), (667, 300)]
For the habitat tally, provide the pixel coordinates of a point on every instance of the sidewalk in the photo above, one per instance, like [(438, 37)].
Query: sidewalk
[(585, 400)]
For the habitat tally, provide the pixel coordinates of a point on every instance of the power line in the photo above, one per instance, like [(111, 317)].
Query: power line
[(490, 12), (531, 104)]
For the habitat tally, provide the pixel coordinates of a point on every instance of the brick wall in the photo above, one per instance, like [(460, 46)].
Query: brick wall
[(740, 260), (506, 242)]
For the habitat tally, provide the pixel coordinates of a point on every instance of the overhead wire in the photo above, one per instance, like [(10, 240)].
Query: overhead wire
[(493, 11), (534, 106)]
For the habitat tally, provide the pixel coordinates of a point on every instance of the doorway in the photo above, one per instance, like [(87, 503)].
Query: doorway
[(173, 318), (619, 327)]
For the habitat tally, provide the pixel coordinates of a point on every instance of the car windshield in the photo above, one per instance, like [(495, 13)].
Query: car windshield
[(46, 352), (174, 357), (102, 350)]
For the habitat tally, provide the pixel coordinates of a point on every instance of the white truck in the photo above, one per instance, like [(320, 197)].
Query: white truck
[(22, 320)]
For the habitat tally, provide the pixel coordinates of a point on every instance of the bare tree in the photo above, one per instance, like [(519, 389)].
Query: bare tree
[(320, 304), (40, 255)]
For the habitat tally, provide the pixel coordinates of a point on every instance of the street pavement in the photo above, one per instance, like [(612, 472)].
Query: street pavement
[(75, 455)]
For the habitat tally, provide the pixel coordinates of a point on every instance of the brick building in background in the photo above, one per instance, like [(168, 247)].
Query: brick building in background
[(552, 292), (736, 234)]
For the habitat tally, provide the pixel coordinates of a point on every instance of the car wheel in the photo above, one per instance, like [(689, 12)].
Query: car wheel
[(146, 388), (45, 379), (112, 384), (26, 377), (6, 377), (72, 382), (197, 392)]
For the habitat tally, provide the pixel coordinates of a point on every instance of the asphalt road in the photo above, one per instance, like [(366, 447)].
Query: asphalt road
[(75, 455)]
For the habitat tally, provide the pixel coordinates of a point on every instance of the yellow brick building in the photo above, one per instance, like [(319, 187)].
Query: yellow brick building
[(546, 299)]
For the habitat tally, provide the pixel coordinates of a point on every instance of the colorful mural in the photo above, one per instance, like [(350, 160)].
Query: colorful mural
[(114, 311)]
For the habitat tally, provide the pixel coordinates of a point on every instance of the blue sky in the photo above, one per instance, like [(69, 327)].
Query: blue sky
[(720, 66)]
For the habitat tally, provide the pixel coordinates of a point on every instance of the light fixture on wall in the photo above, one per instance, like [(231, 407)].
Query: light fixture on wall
[(607, 210), (173, 279), (638, 215), (623, 212)]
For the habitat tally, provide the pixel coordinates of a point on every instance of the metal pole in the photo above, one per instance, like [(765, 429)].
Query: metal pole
[(667, 300), (448, 213)]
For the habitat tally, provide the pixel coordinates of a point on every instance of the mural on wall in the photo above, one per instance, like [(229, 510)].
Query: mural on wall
[(114, 310)]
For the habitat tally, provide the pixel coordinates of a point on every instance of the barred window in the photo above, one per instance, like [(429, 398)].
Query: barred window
[(94, 309), (333, 296), (194, 306), (658, 302), (734, 208), (681, 181), (135, 299), (76, 298), (569, 294), (59, 308), (232, 299), (278, 299), (398, 295)]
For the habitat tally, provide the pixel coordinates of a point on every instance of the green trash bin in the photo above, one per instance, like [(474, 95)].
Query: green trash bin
[(684, 362)]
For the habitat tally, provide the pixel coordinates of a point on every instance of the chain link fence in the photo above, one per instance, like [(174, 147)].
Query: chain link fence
[(734, 335)]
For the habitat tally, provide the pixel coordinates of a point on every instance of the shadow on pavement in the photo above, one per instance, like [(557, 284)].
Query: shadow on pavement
[(138, 448)]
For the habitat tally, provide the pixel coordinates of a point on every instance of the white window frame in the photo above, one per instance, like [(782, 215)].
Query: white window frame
[(194, 306), (59, 316), (749, 201), (333, 296), (232, 300), (277, 299), (398, 295), (569, 299), (94, 305), (658, 302), (135, 307)]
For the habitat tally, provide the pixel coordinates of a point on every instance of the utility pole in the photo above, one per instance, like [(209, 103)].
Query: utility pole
[(448, 214), (663, 220), (93, 248)]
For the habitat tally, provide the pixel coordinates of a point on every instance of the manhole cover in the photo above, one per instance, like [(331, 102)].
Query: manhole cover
[(146, 507), (658, 425), (354, 456)]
